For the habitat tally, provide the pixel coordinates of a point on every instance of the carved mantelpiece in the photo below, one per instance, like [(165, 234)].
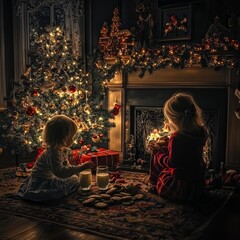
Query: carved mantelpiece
[(205, 81)]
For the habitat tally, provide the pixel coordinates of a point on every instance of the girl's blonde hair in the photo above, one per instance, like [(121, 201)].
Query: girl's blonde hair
[(58, 131), (184, 112)]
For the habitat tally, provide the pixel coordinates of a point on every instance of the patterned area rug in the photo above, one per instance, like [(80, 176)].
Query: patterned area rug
[(128, 212)]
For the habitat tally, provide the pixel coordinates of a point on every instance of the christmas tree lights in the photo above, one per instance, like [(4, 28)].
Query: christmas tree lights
[(54, 83)]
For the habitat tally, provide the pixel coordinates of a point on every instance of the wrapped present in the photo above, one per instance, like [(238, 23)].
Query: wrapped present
[(101, 157)]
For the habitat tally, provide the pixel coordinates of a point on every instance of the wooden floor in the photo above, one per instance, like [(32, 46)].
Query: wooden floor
[(12, 227), (17, 228)]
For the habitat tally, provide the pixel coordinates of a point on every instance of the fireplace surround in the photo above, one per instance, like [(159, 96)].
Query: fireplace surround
[(213, 90)]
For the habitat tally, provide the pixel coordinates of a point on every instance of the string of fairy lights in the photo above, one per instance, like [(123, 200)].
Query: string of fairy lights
[(213, 52)]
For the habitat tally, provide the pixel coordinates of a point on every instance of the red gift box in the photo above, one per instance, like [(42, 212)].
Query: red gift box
[(101, 157)]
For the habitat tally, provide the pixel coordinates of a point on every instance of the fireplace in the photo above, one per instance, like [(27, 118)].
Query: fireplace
[(144, 114), (142, 100)]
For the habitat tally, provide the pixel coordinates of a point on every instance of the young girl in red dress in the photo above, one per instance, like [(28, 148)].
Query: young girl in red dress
[(177, 167)]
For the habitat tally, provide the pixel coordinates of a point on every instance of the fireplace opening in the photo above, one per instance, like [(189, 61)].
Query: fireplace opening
[(144, 114)]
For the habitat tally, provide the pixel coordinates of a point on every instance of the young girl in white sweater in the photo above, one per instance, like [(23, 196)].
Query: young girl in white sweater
[(52, 176)]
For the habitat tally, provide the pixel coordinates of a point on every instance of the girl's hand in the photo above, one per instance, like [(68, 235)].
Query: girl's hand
[(158, 145), (162, 141), (88, 164)]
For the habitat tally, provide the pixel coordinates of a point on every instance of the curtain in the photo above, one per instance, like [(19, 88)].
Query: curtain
[(74, 24)]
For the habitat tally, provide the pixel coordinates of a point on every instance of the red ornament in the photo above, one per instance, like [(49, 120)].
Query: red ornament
[(72, 89), (34, 93), (115, 111), (89, 146), (116, 108), (30, 111), (81, 141), (86, 148), (101, 135)]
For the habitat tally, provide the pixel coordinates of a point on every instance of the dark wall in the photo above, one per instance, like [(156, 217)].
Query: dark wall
[(97, 13), (203, 14)]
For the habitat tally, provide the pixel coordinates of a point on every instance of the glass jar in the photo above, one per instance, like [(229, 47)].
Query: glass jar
[(102, 177)]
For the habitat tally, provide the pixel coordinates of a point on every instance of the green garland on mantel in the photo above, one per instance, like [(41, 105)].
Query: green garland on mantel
[(212, 52)]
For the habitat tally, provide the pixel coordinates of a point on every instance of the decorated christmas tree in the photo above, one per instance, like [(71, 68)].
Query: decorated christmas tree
[(54, 83)]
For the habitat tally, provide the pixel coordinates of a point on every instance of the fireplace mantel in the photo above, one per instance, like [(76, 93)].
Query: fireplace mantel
[(169, 78)]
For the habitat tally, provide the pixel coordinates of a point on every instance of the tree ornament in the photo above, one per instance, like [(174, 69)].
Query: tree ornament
[(83, 127), (95, 138), (101, 135), (87, 109), (86, 148), (26, 127), (64, 106), (116, 108), (35, 93), (64, 88), (89, 146), (95, 125), (76, 119), (81, 95), (30, 111), (72, 89), (81, 141), (51, 105)]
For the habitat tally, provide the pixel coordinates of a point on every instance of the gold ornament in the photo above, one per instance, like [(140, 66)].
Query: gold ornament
[(87, 109), (95, 138), (75, 101), (81, 95), (81, 127), (26, 127), (64, 88), (95, 125), (52, 105), (64, 107)]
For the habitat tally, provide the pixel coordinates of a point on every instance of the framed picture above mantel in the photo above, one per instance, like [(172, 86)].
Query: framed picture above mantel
[(175, 23)]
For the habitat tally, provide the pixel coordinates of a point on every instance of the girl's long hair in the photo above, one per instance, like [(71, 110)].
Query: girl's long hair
[(184, 112)]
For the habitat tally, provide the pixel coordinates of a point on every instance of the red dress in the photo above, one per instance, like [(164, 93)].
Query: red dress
[(178, 171)]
